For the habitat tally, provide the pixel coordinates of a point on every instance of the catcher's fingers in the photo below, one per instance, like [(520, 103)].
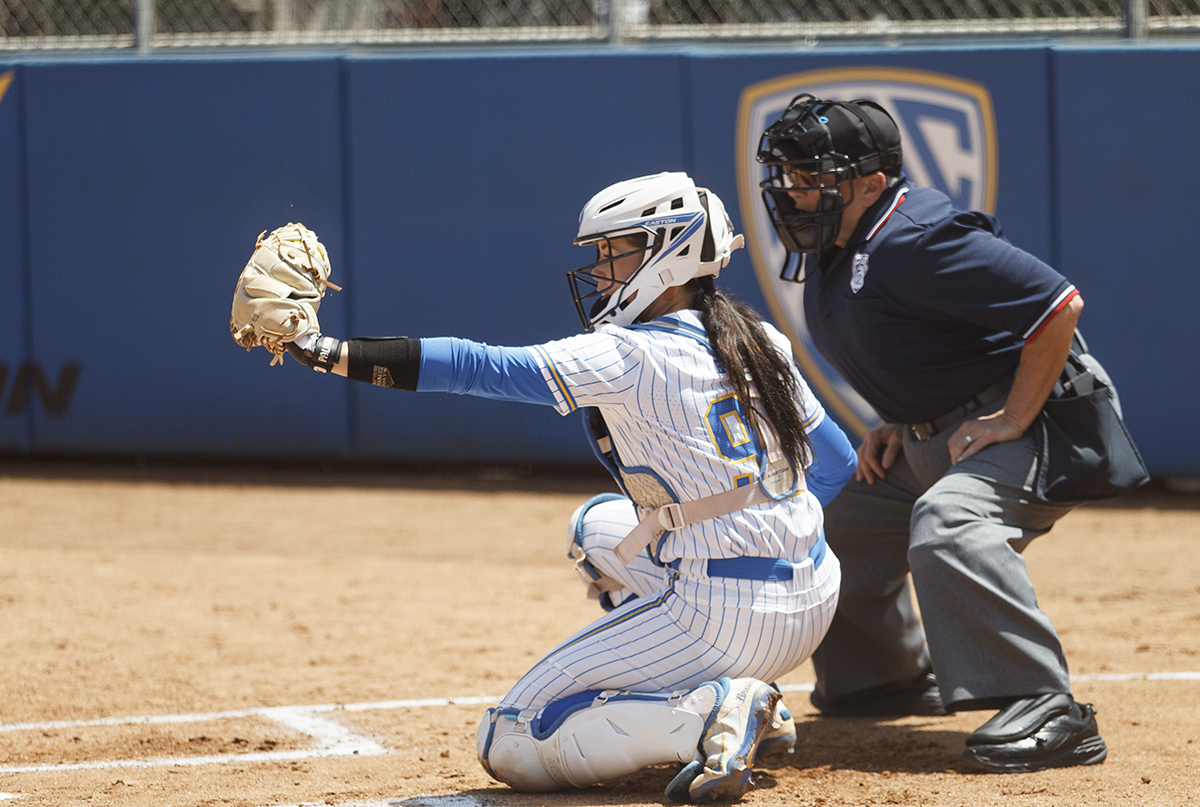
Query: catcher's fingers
[(878, 453)]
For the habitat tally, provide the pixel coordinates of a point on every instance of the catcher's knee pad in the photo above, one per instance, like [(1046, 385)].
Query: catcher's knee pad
[(589, 738), (511, 755), (599, 585), (575, 527)]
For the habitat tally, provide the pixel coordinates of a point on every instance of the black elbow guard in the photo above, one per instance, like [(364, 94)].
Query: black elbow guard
[(393, 361)]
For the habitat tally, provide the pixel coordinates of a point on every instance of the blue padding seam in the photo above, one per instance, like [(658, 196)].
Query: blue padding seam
[(606, 459), (491, 732), (553, 715)]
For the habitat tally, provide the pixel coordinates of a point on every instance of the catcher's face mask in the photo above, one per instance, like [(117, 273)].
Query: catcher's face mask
[(611, 278)]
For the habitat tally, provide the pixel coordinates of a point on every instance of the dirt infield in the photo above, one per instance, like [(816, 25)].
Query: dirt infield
[(179, 635)]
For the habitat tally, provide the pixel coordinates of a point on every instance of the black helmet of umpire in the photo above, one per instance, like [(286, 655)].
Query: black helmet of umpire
[(816, 146)]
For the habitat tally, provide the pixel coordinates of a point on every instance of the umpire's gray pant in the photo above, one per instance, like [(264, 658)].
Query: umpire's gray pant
[(960, 530)]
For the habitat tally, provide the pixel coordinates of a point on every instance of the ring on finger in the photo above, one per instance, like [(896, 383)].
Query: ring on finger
[(967, 437)]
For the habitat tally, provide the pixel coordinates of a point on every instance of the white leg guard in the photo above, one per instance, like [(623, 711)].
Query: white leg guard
[(596, 738)]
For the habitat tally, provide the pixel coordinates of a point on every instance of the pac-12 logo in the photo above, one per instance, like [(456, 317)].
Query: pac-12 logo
[(949, 134)]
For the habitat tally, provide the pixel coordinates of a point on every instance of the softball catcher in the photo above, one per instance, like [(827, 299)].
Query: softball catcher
[(711, 565)]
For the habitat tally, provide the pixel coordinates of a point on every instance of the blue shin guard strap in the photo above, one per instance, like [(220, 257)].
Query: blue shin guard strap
[(555, 713)]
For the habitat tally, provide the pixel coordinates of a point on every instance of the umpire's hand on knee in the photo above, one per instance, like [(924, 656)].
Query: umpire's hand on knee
[(879, 449), (973, 435)]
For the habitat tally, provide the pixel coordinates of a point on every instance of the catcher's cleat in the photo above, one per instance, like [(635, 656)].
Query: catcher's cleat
[(780, 736), (917, 697), (729, 743), (1033, 734)]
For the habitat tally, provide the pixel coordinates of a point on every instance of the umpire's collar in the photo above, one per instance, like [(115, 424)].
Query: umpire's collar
[(878, 214)]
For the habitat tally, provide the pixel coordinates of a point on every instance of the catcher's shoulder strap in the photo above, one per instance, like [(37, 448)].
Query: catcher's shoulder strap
[(675, 515), (660, 509)]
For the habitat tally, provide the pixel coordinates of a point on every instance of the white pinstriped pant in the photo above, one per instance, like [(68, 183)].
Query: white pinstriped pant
[(681, 630)]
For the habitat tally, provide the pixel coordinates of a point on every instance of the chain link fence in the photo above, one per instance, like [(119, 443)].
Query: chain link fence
[(59, 24)]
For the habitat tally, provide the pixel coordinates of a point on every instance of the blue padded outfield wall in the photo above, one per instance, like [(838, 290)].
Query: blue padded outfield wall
[(447, 186)]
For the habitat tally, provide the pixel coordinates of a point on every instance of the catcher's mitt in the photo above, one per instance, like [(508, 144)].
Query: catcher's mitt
[(280, 290)]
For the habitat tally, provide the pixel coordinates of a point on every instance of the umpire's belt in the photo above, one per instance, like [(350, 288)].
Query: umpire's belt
[(924, 431), (752, 568)]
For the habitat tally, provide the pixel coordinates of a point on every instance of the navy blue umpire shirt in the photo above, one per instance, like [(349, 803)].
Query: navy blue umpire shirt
[(927, 306)]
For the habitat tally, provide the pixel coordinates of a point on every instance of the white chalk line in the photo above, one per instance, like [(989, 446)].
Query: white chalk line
[(415, 801), (266, 711), (335, 740), (1118, 677), (1087, 678)]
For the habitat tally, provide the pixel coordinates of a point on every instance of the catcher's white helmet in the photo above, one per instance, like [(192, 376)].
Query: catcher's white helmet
[(688, 235)]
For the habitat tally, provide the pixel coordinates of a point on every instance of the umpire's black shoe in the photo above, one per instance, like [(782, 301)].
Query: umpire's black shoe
[(1032, 734), (917, 697)]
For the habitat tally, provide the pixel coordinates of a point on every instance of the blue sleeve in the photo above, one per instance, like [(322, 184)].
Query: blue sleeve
[(449, 364), (834, 461)]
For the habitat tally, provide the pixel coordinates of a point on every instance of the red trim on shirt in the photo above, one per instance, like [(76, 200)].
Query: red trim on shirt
[(887, 215), (1074, 293)]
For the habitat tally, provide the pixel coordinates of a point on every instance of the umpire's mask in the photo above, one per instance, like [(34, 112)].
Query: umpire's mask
[(814, 147)]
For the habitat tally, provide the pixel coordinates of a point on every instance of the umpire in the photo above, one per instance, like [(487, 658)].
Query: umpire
[(957, 339)]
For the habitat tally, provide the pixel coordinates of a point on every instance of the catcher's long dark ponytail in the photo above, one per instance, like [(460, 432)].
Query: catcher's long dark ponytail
[(749, 357)]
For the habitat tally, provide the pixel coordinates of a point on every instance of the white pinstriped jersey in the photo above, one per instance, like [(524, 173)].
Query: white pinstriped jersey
[(677, 631), (669, 408)]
